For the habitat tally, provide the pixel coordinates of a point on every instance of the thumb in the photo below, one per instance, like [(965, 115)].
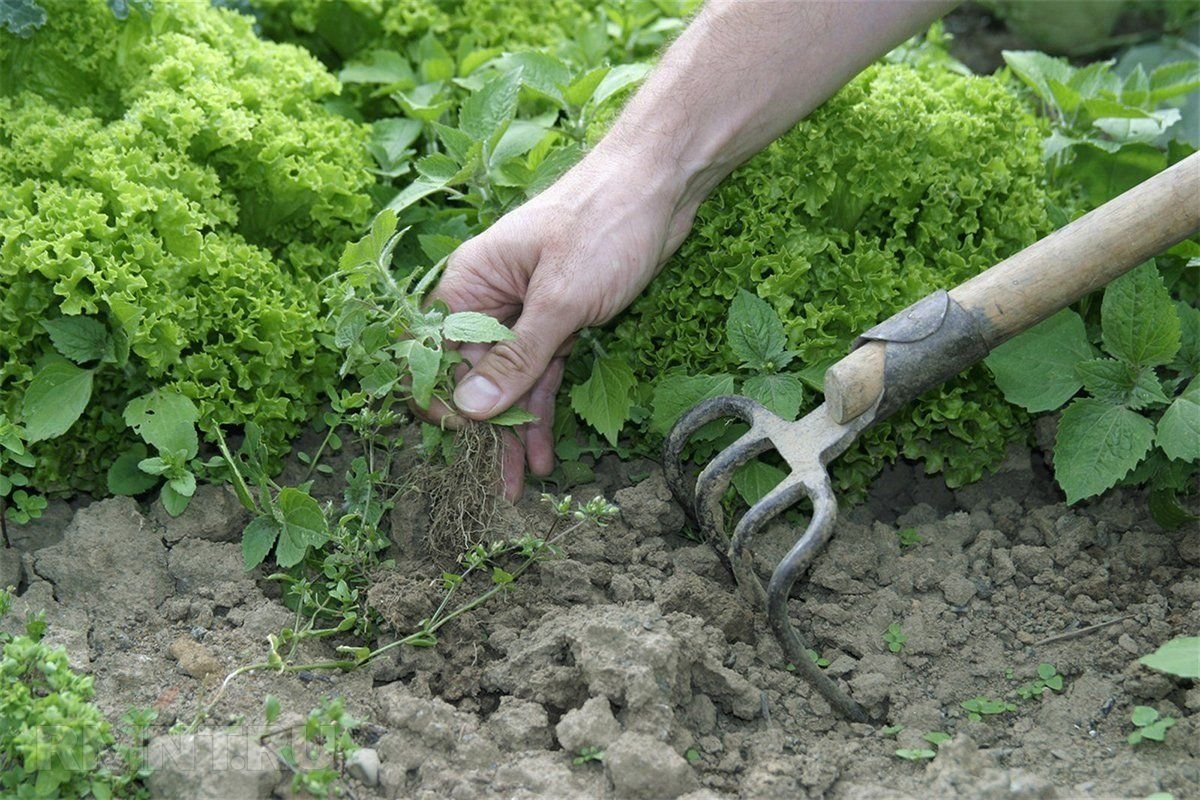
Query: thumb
[(509, 369)]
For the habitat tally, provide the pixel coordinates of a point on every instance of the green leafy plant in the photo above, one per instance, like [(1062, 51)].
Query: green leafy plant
[(979, 707), (1047, 679), (894, 638), (1179, 657), (587, 754), (318, 766), (1139, 419), (908, 537), (1149, 725), (916, 754)]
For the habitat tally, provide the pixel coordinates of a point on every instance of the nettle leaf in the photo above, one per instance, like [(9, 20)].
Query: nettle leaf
[(1179, 657), (1037, 69), (372, 247), (755, 333), (675, 394), (1187, 360), (472, 326), (541, 72), (782, 394), (55, 399), (1036, 370), (424, 365), (302, 525), (604, 400), (438, 167), (618, 78), (1179, 427), (258, 538), (379, 66), (80, 339), (391, 144), (492, 106), (1138, 319), (165, 419), (580, 90), (173, 501), (1121, 383), (755, 480), (1097, 444)]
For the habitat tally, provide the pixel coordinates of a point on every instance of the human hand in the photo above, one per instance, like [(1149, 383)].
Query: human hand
[(572, 257)]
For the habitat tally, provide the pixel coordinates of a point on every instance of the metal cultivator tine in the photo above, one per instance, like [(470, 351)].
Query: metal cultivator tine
[(807, 445)]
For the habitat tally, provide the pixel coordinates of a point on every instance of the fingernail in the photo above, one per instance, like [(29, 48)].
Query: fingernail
[(476, 395)]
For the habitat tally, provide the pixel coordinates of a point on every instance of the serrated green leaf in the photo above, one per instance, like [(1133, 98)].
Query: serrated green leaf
[(302, 526), (124, 477), (472, 326), (675, 394), (782, 394), (55, 399), (1187, 360), (80, 339), (371, 247), (1166, 509), (1036, 370), (542, 72), (379, 66), (1179, 657), (617, 79), (1173, 80), (424, 365), (258, 538), (1118, 382), (1037, 69), (606, 397), (754, 480), (173, 501), (580, 90), (391, 144), (1097, 445), (513, 416), (1138, 319), (166, 420), (494, 105), (1106, 171), (755, 333), (1179, 426), (438, 167)]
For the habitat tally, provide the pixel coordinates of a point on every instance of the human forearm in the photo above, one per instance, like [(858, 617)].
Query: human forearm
[(742, 74)]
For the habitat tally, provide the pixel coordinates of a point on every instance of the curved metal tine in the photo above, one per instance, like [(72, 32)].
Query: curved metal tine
[(696, 418), (715, 479), (819, 530), (774, 503)]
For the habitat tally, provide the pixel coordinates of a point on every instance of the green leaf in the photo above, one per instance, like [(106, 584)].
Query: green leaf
[(271, 708), (1138, 319), (604, 400), (1166, 509), (1173, 80), (755, 333), (1179, 657), (580, 90), (1106, 174), (438, 167), (1097, 445), (1187, 360), (494, 105), (1179, 426), (173, 501), (257, 540), (617, 79), (936, 737), (424, 365), (472, 326), (513, 416), (1037, 69), (541, 72), (755, 479), (420, 188), (55, 399), (782, 394), (1143, 716), (1046, 671), (165, 419), (391, 144), (370, 249), (1119, 382), (1036, 370), (22, 17), (303, 526), (124, 477), (80, 339), (915, 754), (675, 394), (379, 66)]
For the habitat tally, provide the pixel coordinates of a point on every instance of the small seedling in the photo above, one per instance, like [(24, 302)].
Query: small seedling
[(816, 657), (894, 638), (936, 738), (979, 707), (909, 537), (891, 730), (915, 754), (1048, 678), (1149, 725), (587, 754), (692, 755)]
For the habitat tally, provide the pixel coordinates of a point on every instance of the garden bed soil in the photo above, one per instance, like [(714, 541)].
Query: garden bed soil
[(637, 643)]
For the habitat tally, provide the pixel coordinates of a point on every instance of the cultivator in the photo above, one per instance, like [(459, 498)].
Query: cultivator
[(891, 364)]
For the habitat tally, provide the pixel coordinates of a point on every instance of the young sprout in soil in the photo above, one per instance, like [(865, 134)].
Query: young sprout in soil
[(890, 730), (587, 754), (325, 744), (816, 657), (908, 537), (915, 754), (894, 637), (1149, 725), (692, 755), (979, 707), (1048, 678), (936, 738)]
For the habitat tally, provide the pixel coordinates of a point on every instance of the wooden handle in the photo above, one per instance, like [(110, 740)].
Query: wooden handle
[(1049, 275)]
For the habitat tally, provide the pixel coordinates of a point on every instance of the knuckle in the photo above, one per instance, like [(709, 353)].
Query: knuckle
[(513, 358)]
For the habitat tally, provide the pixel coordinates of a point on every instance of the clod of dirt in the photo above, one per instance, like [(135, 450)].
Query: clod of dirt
[(643, 768), (194, 658), (43, 531), (590, 725), (520, 725), (401, 599), (110, 557), (363, 765), (214, 514), (648, 507), (10, 567), (211, 766), (712, 602), (961, 769)]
